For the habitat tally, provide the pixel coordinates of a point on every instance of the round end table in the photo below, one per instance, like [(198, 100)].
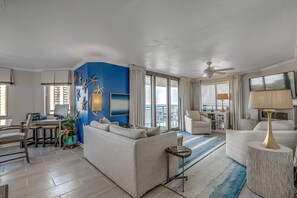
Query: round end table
[(182, 152)]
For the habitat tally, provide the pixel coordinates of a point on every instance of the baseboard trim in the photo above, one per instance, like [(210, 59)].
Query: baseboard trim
[(81, 144)]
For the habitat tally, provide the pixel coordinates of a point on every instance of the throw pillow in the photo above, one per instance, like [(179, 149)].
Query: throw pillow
[(150, 131), (101, 126), (104, 120), (129, 133)]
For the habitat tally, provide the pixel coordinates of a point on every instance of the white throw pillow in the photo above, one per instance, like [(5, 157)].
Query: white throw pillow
[(101, 126), (129, 133), (105, 120), (282, 125), (150, 131), (195, 115)]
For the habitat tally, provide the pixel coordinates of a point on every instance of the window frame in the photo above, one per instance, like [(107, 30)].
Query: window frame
[(47, 94), (153, 76), (216, 91), (6, 101)]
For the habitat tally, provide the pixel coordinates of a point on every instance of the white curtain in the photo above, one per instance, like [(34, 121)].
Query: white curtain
[(185, 99), (137, 95), (235, 100), (195, 94)]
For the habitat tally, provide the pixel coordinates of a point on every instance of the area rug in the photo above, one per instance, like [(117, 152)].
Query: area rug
[(4, 191), (201, 145), (211, 173)]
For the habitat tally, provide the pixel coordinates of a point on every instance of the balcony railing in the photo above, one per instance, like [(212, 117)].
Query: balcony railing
[(161, 116)]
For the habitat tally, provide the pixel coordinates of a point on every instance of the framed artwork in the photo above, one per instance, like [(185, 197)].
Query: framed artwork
[(119, 104)]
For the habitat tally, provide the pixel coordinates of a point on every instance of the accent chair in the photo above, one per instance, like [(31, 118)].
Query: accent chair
[(196, 123)]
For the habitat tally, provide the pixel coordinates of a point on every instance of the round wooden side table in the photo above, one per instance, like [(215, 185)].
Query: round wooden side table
[(182, 152), (270, 171)]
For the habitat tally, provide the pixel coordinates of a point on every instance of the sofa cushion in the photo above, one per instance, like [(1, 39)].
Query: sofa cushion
[(276, 125), (130, 133), (194, 115), (199, 124), (101, 126), (150, 131)]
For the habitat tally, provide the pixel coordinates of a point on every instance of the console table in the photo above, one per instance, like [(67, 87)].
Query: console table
[(270, 171)]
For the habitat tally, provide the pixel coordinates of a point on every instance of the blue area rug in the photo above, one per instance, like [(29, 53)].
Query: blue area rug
[(229, 176)]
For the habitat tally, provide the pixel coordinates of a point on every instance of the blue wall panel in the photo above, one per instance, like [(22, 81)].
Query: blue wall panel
[(113, 79)]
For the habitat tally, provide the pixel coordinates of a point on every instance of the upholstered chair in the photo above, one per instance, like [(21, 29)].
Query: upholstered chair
[(196, 123), (14, 137)]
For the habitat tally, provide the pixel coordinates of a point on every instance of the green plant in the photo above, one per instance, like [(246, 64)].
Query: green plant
[(69, 128)]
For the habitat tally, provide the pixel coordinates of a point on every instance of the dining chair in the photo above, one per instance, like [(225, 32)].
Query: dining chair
[(14, 137)]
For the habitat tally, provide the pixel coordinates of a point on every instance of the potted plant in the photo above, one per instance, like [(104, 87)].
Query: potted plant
[(69, 133)]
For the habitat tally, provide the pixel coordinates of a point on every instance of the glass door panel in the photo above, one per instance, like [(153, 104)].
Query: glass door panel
[(162, 103), (174, 109), (148, 101)]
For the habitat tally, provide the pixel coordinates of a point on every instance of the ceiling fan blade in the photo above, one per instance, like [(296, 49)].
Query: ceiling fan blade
[(225, 69), (219, 72)]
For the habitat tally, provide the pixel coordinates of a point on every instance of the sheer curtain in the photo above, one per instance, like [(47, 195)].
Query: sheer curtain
[(185, 99), (137, 95), (235, 100), (195, 94)]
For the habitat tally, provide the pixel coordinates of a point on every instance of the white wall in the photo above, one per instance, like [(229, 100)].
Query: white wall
[(26, 95), (292, 66)]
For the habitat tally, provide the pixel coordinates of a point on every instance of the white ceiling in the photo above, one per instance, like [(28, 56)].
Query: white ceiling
[(175, 36)]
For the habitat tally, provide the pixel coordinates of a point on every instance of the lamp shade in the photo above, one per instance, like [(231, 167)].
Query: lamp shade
[(96, 102), (222, 96), (277, 99)]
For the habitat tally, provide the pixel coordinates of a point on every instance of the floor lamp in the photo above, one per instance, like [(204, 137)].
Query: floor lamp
[(269, 101)]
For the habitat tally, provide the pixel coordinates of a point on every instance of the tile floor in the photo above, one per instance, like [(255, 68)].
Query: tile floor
[(54, 172)]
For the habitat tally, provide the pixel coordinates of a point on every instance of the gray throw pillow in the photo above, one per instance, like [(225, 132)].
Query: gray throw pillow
[(129, 133), (101, 126), (150, 131)]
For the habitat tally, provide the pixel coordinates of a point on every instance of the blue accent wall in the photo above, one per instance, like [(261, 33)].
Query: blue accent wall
[(113, 79)]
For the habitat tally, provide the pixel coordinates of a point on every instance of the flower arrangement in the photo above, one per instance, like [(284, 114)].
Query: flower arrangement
[(69, 129)]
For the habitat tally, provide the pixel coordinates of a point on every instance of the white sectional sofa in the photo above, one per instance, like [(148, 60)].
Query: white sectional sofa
[(236, 141), (136, 165)]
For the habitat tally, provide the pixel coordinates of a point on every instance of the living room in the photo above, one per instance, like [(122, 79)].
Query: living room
[(148, 98)]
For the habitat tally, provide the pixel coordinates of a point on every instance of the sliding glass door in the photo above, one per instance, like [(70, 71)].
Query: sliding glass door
[(162, 102), (174, 106), (161, 90)]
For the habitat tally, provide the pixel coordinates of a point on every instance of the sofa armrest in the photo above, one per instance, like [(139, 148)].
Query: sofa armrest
[(151, 160), (205, 119), (188, 123)]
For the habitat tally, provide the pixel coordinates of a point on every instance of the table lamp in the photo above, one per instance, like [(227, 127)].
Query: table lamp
[(270, 101), (96, 103), (222, 96)]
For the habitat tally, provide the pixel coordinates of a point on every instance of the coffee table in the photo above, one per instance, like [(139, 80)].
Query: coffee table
[(182, 152)]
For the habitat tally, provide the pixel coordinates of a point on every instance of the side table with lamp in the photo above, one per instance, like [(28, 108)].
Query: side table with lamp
[(268, 157)]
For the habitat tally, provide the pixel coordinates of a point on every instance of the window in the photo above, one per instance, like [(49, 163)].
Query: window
[(148, 101), (162, 102), (209, 96), (3, 100), (56, 95)]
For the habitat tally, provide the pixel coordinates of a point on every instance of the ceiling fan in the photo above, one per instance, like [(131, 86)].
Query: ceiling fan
[(209, 71)]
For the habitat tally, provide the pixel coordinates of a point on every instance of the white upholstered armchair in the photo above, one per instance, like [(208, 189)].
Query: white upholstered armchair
[(196, 123)]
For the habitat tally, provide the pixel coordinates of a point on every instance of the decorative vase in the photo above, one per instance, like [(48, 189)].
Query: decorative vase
[(71, 141)]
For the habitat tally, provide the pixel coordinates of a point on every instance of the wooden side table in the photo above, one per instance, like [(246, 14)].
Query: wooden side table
[(270, 171), (182, 152)]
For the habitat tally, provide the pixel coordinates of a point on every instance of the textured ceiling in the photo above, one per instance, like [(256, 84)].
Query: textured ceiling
[(172, 36)]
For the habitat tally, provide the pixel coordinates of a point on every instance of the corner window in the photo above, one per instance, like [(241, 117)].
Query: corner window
[(56, 95)]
